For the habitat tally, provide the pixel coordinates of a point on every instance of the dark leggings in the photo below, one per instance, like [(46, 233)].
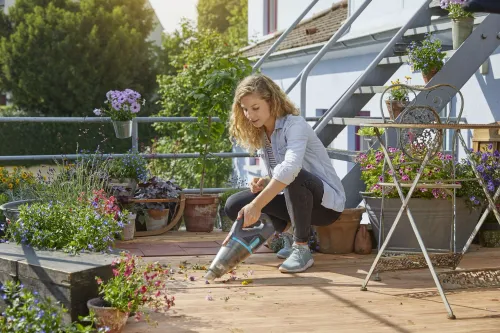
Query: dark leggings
[(306, 195)]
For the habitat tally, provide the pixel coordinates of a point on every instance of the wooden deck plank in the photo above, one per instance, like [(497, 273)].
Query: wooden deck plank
[(327, 298)]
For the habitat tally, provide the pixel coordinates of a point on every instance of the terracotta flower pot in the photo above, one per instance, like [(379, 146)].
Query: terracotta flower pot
[(395, 107), (107, 316), (200, 212), (338, 237), (427, 77)]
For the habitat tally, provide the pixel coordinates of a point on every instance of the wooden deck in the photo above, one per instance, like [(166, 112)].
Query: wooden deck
[(326, 298)]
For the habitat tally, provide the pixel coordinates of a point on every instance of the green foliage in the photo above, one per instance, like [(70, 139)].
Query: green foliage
[(204, 88), (132, 166), (228, 17), (61, 138), (369, 131), (455, 8), (62, 56), (428, 56), (85, 225), (28, 312)]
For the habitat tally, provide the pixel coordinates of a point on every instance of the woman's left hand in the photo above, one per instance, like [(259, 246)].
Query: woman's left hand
[(250, 213)]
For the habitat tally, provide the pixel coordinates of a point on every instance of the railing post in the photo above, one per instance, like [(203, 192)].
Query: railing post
[(135, 135)]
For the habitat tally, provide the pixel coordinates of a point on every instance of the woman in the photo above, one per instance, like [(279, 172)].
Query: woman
[(302, 188)]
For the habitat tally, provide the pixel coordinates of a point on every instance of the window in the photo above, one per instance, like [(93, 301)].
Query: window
[(270, 16), (360, 144), (320, 112)]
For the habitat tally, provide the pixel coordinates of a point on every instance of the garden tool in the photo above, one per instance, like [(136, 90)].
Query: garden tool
[(239, 245)]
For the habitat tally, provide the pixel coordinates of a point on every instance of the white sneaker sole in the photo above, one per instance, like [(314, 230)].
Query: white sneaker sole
[(298, 270)]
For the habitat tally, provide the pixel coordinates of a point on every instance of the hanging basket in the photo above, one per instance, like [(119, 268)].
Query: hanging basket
[(123, 129)]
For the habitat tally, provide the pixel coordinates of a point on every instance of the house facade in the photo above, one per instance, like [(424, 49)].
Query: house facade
[(349, 58)]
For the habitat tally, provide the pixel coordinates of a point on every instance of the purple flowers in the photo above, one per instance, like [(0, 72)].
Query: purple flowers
[(121, 105), (455, 9)]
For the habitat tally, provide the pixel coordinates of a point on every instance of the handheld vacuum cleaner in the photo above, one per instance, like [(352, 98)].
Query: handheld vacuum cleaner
[(241, 244)]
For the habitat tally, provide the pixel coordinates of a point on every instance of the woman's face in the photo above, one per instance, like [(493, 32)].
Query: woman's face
[(257, 111)]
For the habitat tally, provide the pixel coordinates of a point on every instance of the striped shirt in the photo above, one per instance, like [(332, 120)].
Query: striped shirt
[(270, 155)]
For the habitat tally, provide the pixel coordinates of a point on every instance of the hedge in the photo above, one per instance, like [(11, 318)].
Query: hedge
[(64, 138)]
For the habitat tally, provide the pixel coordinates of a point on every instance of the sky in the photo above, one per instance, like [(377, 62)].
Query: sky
[(170, 12)]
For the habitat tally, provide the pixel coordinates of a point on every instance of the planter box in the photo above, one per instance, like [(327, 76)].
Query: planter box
[(433, 217), (66, 278)]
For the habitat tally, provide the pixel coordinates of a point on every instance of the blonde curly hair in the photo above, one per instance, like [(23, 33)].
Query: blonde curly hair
[(240, 128)]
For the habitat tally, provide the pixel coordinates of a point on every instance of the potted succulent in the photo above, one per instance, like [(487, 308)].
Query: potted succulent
[(133, 288), (398, 99), (426, 57), (157, 212), (127, 171), (121, 107), (463, 21), (431, 208)]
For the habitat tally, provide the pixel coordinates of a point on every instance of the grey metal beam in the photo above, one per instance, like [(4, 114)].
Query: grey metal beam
[(343, 100), (72, 157), (98, 119), (283, 36)]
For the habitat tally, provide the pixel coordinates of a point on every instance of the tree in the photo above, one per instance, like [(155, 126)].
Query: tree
[(229, 17), (61, 56), (203, 88)]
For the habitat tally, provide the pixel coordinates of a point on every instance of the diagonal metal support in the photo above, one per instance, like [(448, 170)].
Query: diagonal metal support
[(491, 201), (404, 206)]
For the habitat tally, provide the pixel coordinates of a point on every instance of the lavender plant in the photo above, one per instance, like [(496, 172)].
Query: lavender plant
[(121, 105)]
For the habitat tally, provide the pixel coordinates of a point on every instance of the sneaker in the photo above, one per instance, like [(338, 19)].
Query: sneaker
[(287, 246), (299, 260)]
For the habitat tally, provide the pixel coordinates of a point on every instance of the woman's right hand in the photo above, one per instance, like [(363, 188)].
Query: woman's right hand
[(257, 184)]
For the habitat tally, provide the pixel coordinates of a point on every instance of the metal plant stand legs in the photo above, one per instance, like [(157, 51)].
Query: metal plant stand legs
[(405, 201)]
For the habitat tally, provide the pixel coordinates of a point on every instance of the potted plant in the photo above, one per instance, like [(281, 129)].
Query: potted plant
[(150, 194), (426, 57), (488, 166), (133, 288), (463, 21), (127, 171), (121, 107), (431, 208), (398, 99), (212, 98)]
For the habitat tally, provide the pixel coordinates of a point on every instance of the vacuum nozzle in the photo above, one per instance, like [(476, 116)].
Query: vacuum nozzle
[(210, 276)]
